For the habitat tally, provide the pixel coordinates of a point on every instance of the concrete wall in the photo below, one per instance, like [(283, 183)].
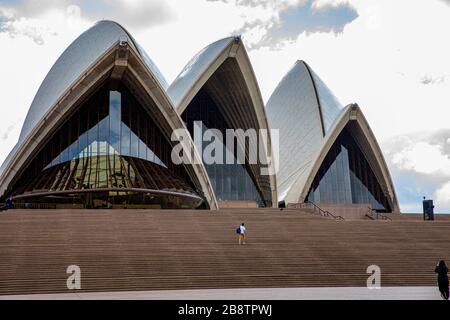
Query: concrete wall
[(237, 204)]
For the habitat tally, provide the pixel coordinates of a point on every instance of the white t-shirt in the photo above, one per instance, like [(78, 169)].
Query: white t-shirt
[(242, 229)]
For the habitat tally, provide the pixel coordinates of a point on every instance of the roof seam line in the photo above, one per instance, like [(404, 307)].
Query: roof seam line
[(316, 93)]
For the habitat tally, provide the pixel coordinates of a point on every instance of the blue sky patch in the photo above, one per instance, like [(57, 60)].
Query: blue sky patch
[(304, 18)]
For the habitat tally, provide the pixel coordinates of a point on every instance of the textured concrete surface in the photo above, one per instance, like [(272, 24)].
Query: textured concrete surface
[(342, 293), (145, 250)]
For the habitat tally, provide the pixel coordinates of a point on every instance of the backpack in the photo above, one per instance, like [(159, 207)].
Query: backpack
[(238, 230)]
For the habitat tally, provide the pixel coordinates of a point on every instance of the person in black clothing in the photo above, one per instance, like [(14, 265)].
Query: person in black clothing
[(9, 204), (442, 270)]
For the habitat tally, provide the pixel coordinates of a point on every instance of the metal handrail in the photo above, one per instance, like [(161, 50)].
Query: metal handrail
[(377, 215), (322, 212)]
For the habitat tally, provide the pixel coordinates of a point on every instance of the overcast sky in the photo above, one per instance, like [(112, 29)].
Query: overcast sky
[(391, 57)]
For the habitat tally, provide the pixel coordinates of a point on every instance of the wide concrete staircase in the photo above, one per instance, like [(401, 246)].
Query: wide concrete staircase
[(160, 250)]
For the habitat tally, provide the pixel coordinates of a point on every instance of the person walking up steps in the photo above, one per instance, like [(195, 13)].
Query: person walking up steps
[(241, 230)]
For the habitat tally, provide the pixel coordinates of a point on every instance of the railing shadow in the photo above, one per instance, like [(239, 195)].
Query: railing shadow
[(375, 215), (318, 210)]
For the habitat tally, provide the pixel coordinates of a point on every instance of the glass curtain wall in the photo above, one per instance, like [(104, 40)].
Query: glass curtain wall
[(231, 182), (106, 130), (111, 143), (346, 177)]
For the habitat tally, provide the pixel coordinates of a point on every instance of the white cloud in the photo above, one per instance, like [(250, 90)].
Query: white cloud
[(267, 4), (31, 28), (275, 23), (135, 13), (323, 4), (420, 165), (429, 80), (24, 65), (378, 61), (422, 157), (443, 195)]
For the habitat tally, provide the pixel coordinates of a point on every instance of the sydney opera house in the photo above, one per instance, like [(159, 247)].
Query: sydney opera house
[(99, 134)]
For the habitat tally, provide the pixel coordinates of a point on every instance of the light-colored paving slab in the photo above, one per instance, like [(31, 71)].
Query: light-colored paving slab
[(343, 293)]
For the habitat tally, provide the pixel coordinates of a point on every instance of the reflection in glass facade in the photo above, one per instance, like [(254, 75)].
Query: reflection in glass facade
[(105, 175), (110, 143), (231, 182), (106, 131), (346, 177)]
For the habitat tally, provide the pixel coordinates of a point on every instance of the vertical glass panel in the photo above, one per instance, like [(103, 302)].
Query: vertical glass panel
[(150, 156), (230, 181), (134, 145), (63, 143), (115, 112), (73, 149), (241, 190), (102, 172), (346, 177), (103, 130), (227, 182), (125, 140), (103, 139), (142, 150), (93, 142), (104, 126)]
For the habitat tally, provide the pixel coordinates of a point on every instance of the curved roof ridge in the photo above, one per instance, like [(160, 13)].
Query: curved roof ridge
[(316, 93), (293, 110), (351, 112), (69, 66), (95, 74), (148, 61), (329, 105), (195, 69), (302, 106), (78, 67), (202, 68)]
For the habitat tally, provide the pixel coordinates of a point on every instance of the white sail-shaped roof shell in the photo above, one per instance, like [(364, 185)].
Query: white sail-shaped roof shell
[(295, 109), (90, 59), (70, 66), (309, 119), (203, 67), (196, 69)]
